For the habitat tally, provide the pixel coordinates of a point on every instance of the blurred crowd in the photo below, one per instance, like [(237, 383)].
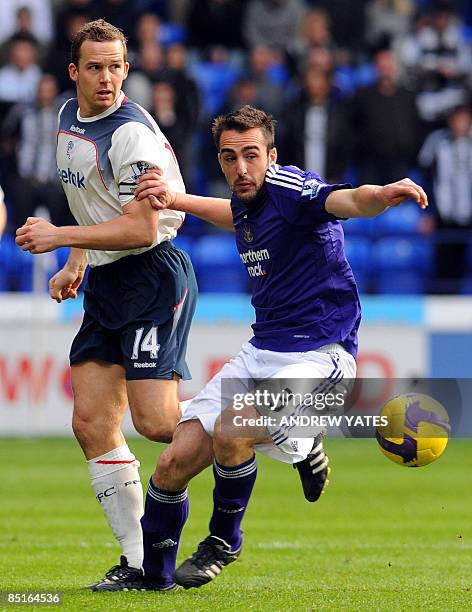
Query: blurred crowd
[(365, 91)]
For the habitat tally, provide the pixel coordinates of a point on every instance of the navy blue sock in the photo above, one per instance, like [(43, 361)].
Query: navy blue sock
[(233, 488), (165, 514)]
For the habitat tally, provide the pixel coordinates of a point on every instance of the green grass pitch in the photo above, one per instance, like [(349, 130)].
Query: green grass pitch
[(383, 537)]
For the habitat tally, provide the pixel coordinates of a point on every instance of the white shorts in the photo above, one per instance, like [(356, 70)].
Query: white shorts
[(330, 363)]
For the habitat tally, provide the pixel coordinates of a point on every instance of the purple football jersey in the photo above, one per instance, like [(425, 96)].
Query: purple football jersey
[(303, 289)]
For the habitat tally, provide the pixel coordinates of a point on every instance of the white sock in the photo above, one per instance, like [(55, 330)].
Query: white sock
[(117, 486)]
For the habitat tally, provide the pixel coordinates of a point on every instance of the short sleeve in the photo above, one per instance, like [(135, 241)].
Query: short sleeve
[(134, 149), (300, 196)]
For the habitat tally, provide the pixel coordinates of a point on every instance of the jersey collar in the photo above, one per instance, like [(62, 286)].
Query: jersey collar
[(109, 111)]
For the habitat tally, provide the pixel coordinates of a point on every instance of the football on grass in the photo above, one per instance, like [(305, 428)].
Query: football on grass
[(417, 431)]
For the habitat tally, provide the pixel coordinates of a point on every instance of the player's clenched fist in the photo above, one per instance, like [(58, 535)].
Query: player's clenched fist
[(37, 236), (153, 186)]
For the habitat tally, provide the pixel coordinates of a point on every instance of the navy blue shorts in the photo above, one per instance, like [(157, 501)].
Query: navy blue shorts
[(138, 312)]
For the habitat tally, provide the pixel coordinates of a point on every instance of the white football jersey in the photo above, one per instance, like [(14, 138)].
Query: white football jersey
[(99, 160)]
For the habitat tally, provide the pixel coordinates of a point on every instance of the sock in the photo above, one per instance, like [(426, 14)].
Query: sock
[(164, 518), (233, 488), (117, 486)]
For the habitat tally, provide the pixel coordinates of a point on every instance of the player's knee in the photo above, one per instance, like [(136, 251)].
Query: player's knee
[(226, 442), (172, 471), (155, 431), (90, 430)]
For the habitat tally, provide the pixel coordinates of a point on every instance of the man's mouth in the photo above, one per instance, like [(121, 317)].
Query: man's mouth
[(104, 92), (243, 184)]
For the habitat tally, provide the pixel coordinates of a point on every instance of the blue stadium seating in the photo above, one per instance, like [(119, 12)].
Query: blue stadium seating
[(405, 254), (402, 265), (358, 225), (62, 255), (403, 220), (357, 251), (401, 283), (218, 266), (215, 81), (6, 246), (171, 33), (185, 243), (17, 266)]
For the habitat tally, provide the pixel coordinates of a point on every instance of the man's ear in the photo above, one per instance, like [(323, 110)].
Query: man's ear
[(73, 72), (126, 70), (272, 156)]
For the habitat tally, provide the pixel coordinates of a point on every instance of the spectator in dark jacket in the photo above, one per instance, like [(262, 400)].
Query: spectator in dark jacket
[(316, 133), (386, 124)]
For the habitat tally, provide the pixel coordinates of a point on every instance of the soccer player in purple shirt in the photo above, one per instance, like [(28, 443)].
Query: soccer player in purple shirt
[(288, 234)]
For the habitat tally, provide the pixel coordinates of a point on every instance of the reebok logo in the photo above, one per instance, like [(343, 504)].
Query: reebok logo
[(165, 544), (76, 129), (71, 178), (145, 364)]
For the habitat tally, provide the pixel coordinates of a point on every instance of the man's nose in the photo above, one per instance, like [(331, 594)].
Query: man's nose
[(241, 167), (105, 75)]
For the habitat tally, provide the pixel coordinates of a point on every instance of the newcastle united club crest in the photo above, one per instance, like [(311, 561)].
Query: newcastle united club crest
[(247, 232)]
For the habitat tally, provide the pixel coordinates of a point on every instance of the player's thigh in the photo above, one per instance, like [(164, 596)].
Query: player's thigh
[(100, 398), (232, 381), (190, 452), (154, 405), (240, 425)]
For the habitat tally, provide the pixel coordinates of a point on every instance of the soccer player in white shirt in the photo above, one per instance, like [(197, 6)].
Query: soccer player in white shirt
[(141, 290)]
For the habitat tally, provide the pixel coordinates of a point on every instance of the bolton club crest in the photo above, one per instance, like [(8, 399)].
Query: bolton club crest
[(70, 147)]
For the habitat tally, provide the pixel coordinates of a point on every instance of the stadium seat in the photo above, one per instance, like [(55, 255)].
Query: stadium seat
[(401, 283), (7, 245), (21, 269), (171, 33), (17, 266), (218, 266), (62, 255), (402, 265), (184, 242), (358, 225), (469, 257), (403, 220), (193, 226), (215, 81), (466, 285), (357, 251)]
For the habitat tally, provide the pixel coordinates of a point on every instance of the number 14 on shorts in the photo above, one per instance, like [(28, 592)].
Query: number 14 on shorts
[(149, 343)]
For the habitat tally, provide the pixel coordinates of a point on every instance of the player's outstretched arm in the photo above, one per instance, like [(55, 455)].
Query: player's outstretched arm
[(135, 228), (371, 200), (64, 284), (152, 185)]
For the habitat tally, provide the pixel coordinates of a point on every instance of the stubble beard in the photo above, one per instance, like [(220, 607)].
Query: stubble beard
[(249, 198)]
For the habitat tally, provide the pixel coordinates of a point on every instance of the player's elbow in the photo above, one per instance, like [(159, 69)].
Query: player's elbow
[(148, 235), (143, 232)]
